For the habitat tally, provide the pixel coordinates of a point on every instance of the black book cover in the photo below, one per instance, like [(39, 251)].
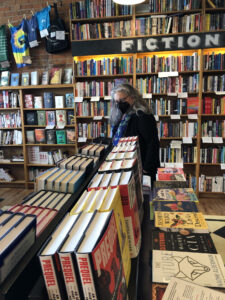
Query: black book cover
[(48, 100), (31, 118), (50, 136), (70, 117), (182, 241)]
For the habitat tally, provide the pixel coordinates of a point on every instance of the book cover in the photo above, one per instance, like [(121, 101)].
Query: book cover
[(70, 136), (192, 105), (69, 100), (175, 194), (38, 102), (41, 118), (48, 100), (5, 76), (59, 101), (31, 118), (60, 118), (67, 76), (55, 76), (182, 241), (175, 221), (39, 135), (25, 79), (185, 206), (102, 276), (45, 78), (50, 136), (170, 177), (30, 136), (28, 101), (15, 79), (61, 136), (70, 117), (50, 118), (205, 269), (34, 78), (169, 184)]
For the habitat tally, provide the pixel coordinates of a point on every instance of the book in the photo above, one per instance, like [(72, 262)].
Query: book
[(76, 181), (50, 118), (205, 269), (179, 206), (55, 76), (60, 136), (93, 267), (15, 244), (48, 258), (69, 100), (45, 78), (59, 101), (182, 241), (34, 78), (67, 75), (39, 135), (30, 136), (181, 221), (178, 287), (5, 77), (48, 100), (15, 79), (25, 78), (175, 194), (30, 118), (60, 118), (41, 118), (192, 105), (70, 117), (67, 258), (38, 102), (28, 101), (70, 136), (50, 136)]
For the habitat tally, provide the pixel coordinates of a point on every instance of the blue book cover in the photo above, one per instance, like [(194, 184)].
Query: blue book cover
[(48, 100), (15, 78)]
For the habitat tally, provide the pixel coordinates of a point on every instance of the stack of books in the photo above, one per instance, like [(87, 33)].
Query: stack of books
[(170, 178), (182, 246)]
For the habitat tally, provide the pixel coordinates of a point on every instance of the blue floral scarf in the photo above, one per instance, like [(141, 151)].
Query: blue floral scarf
[(121, 128)]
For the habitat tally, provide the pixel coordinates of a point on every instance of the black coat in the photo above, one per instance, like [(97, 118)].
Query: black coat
[(144, 126)]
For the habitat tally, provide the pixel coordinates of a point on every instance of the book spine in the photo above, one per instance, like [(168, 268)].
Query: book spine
[(87, 280)]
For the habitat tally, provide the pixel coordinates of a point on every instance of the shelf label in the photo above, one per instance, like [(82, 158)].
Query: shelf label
[(220, 92), (78, 99), (95, 98), (193, 117), (107, 97), (147, 95), (172, 94), (222, 166), (182, 95), (174, 165), (167, 74), (206, 139), (97, 118), (49, 126), (169, 165), (175, 145), (82, 139), (175, 117), (187, 140), (156, 118), (217, 140)]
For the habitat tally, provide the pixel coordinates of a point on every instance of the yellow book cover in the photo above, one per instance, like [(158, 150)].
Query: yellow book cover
[(55, 76), (174, 221), (112, 201)]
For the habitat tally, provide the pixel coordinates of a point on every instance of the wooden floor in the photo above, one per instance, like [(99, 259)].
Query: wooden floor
[(208, 206)]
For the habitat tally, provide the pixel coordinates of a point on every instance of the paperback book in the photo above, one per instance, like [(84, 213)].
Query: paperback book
[(175, 194)]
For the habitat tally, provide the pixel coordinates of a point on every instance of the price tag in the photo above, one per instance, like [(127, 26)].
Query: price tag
[(220, 92), (147, 96), (96, 98), (107, 97), (82, 139), (217, 140), (167, 74), (175, 117), (60, 35), (206, 139), (172, 94), (193, 117), (97, 118), (187, 140), (222, 166), (78, 99), (49, 126), (182, 95), (156, 118)]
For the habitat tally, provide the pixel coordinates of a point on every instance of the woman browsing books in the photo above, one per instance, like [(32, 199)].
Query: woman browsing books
[(131, 116)]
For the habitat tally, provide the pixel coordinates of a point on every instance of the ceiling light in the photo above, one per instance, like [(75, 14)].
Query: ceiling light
[(128, 2)]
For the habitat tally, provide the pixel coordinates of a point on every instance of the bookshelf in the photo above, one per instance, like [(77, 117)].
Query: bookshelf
[(172, 81)]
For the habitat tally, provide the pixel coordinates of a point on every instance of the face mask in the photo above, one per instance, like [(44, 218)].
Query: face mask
[(123, 106)]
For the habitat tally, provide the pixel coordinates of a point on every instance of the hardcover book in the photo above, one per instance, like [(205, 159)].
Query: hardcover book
[(25, 79), (48, 100), (70, 136), (185, 206), (38, 102), (175, 194), (55, 76), (70, 117), (45, 78), (39, 135), (60, 118), (175, 221), (50, 136), (15, 79), (34, 78), (59, 101), (41, 117), (69, 100), (31, 118), (182, 241), (205, 269), (61, 136), (67, 76), (5, 76), (28, 101), (50, 118)]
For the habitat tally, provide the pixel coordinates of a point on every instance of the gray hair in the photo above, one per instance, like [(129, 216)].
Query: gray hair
[(129, 91)]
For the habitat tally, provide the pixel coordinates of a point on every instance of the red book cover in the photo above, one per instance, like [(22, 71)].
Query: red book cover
[(192, 105)]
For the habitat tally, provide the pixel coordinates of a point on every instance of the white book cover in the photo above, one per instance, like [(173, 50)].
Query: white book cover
[(200, 268)]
